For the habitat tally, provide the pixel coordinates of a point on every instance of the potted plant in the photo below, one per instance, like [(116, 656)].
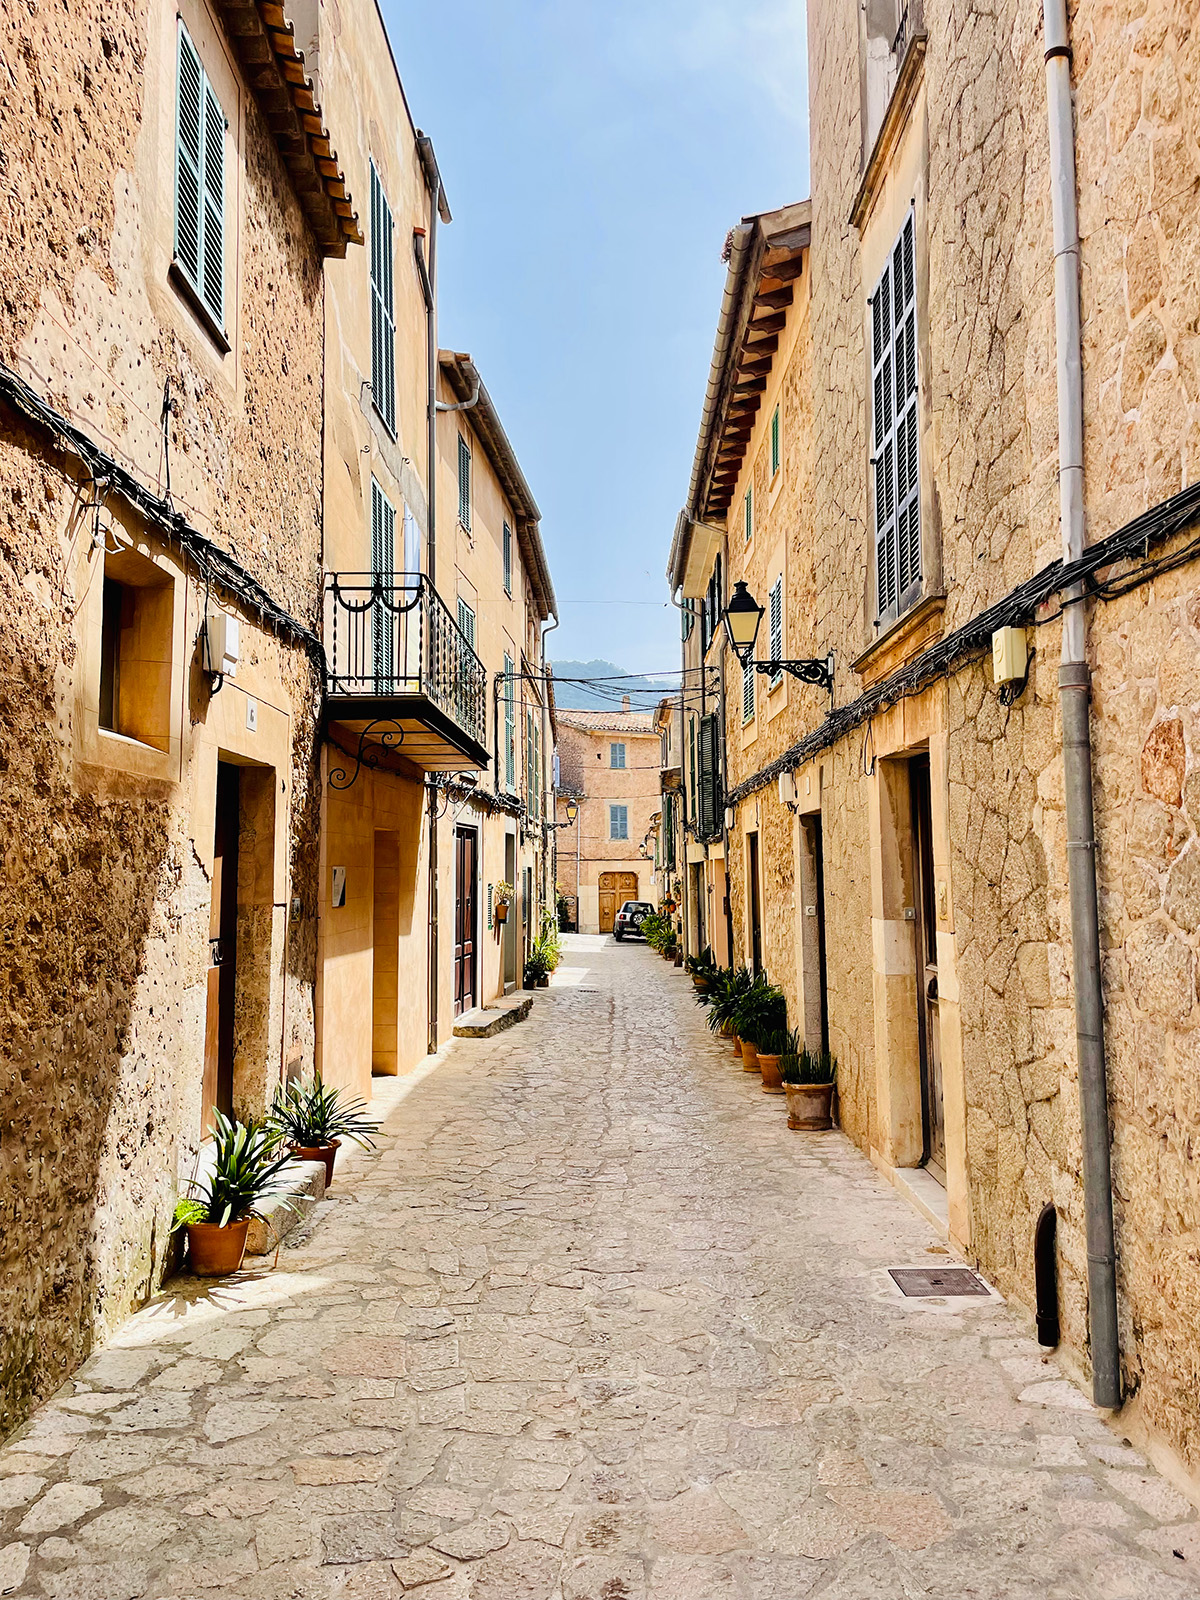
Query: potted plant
[(761, 1009), (502, 898), (245, 1177), (808, 1080), (701, 969), (313, 1119), (773, 1044), (723, 999)]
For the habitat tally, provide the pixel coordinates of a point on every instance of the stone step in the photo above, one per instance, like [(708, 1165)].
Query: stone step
[(483, 1022), (303, 1188)]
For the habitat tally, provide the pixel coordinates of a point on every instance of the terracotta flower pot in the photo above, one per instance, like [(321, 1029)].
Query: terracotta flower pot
[(679, 958), (543, 981), (769, 1067), (809, 1106), (213, 1250), (318, 1152), (749, 1056), (736, 1043), (701, 984), (500, 911)]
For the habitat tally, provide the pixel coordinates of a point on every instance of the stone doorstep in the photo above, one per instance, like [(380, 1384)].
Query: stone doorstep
[(483, 1022), (303, 1189)]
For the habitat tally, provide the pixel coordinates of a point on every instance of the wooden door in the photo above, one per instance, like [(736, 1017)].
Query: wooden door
[(627, 886), (608, 909), (756, 957), (465, 859), (217, 1087), (927, 970)]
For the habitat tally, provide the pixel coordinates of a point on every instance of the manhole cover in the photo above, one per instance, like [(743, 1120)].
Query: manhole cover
[(925, 1282)]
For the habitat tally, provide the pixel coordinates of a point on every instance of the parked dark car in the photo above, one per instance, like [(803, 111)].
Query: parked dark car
[(628, 919)]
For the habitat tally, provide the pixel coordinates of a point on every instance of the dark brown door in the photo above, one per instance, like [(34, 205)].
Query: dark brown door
[(465, 854), (756, 960), (816, 848), (927, 971), (222, 951)]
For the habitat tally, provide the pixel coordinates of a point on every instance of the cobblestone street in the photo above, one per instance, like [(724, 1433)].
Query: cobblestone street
[(591, 1324)]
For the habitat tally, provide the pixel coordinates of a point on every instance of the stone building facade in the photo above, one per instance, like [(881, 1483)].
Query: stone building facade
[(610, 764), (944, 983), (160, 428)]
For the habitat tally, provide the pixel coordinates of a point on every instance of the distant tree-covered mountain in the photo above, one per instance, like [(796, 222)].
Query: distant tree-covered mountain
[(599, 695)]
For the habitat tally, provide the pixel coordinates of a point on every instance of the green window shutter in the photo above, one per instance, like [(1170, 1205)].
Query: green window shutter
[(199, 181), (710, 778), (507, 559), (510, 726), (692, 761), (616, 755), (749, 515), (383, 311), (894, 429), (466, 622), (383, 565), (464, 482), (748, 691), (775, 456), (618, 822), (776, 625)]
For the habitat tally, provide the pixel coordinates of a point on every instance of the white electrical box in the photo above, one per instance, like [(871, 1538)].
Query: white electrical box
[(1010, 655), (787, 788), (222, 643)]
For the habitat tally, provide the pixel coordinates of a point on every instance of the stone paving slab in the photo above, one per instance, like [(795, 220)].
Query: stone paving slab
[(590, 1324)]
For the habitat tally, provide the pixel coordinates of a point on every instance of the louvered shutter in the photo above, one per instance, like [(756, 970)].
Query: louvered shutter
[(189, 119), (507, 559), (383, 313), (894, 404), (510, 726), (776, 625), (747, 691), (213, 288), (749, 515), (383, 563), (466, 622), (710, 778), (775, 451), (464, 483)]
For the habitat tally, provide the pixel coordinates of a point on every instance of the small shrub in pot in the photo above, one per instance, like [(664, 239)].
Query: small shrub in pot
[(809, 1077), (313, 1119), (246, 1177)]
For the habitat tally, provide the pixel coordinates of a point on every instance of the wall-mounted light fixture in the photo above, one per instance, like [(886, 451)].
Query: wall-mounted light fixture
[(742, 617)]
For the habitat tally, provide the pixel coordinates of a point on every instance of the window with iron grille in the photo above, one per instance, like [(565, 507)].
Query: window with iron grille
[(616, 755), (618, 822), (775, 618), (510, 726), (749, 515), (894, 406), (748, 691), (383, 564), (775, 452), (199, 182), (383, 310), (507, 559), (464, 482)]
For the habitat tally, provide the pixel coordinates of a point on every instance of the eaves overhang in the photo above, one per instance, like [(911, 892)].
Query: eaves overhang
[(463, 380), (264, 42)]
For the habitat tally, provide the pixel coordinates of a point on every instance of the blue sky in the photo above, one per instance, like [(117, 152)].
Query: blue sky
[(594, 156)]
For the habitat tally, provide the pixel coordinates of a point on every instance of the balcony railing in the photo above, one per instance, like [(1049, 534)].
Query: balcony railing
[(393, 638)]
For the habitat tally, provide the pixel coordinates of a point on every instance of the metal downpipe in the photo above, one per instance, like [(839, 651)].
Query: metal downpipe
[(1075, 692)]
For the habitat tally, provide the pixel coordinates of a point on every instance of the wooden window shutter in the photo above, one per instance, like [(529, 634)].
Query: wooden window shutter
[(710, 778), (466, 622), (464, 483), (510, 726), (776, 625), (747, 691), (383, 570), (775, 452), (383, 310), (507, 559), (199, 181), (894, 433)]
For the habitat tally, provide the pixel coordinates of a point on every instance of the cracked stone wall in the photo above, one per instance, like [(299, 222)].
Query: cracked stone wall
[(991, 455), (105, 869)]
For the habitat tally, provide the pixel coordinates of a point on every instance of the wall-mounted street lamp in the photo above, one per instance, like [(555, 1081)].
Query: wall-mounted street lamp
[(742, 617), (571, 807)]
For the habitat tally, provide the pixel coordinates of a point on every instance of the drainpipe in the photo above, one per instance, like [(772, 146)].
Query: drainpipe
[(1074, 681)]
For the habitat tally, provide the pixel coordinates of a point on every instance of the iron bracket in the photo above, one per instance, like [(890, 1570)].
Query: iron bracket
[(368, 755)]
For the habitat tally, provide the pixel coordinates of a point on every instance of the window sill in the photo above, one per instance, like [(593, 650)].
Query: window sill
[(905, 636), (208, 322), (908, 81)]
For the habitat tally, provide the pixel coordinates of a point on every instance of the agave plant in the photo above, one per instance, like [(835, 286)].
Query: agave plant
[(725, 995), (245, 1177), (799, 1064), (313, 1115), (701, 966)]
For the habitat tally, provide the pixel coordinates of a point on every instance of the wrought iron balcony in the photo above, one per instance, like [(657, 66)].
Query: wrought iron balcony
[(402, 676)]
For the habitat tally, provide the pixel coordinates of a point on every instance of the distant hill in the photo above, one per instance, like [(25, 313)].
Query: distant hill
[(642, 692)]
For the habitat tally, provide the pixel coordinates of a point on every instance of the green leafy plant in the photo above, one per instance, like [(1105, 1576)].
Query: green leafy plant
[(245, 1176), (773, 1041), (799, 1064), (313, 1115), (762, 1008), (701, 966), (725, 995)]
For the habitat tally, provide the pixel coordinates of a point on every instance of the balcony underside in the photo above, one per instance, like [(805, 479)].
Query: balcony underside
[(428, 738)]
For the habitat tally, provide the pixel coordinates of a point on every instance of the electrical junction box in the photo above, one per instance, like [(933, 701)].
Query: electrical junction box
[(222, 643), (1010, 655), (787, 788)]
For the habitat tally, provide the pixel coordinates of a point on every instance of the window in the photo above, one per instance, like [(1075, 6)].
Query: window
[(137, 620), (775, 617), (616, 755), (618, 822), (692, 766), (749, 515), (710, 608), (466, 622), (687, 620), (894, 404), (748, 691), (775, 452), (199, 182), (709, 824), (507, 560), (464, 482), (383, 572), (510, 726), (383, 311)]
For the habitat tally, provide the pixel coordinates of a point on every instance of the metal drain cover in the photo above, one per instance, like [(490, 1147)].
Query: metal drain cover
[(923, 1283)]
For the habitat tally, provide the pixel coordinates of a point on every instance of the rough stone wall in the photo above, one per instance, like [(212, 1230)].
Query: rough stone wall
[(104, 901)]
